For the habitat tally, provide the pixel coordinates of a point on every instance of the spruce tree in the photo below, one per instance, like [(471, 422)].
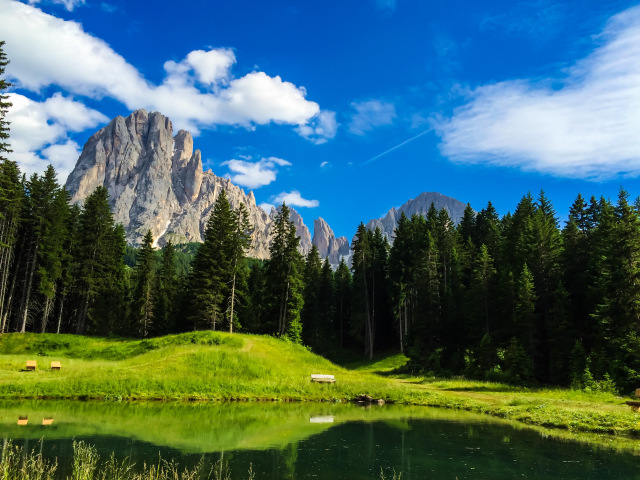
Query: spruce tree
[(142, 305), (311, 311), (4, 106), (209, 280), (361, 265), (240, 242), (284, 283), (343, 295), (166, 288)]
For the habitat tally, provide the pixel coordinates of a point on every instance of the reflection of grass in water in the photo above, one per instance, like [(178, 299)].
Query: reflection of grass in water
[(213, 427)]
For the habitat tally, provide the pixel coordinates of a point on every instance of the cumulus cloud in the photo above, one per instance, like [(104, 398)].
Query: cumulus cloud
[(371, 114), (254, 174), (294, 199), (39, 131), (585, 128), (197, 92)]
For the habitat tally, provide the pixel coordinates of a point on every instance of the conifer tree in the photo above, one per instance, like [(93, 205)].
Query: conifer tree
[(166, 288), (343, 295), (240, 242), (284, 283), (143, 308), (101, 278), (209, 280), (11, 198), (4, 106), (361, 265), (311, 310)]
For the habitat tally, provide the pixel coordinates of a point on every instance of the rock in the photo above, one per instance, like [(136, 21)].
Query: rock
[(368, 400), (156, 182), (327, 244), (418, 206)]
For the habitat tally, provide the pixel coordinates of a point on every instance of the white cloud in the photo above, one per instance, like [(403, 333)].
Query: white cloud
[(211, 67), (198, 92), (39, 131), (324, 164), (371, 114), (254, 174), (320, 128), (586, 128), (294, 199), (68, 4)]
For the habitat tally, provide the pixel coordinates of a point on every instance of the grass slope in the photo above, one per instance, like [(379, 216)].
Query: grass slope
[(220, 366)]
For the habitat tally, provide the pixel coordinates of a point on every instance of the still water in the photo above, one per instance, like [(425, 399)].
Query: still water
[(316, 441)]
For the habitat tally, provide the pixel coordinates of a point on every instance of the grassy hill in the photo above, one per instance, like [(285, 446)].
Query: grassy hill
[(190, 366)]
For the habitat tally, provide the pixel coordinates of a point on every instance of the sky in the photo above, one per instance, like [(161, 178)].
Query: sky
[(344, 109)]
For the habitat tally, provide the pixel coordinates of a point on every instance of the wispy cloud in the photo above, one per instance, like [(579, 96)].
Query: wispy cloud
[(68, 4), (371, 114), (294, 199), (254, 174), (538, 20), (586, 128)]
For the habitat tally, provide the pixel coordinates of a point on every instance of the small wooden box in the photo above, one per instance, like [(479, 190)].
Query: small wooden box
[(47, 421), (31, 364), (55, 365), (23, 420)]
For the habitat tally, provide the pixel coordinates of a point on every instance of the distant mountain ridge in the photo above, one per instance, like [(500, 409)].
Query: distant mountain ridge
[(156, 182), (418, 206)]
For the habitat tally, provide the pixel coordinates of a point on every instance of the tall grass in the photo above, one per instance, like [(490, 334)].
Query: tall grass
[(20, 465)]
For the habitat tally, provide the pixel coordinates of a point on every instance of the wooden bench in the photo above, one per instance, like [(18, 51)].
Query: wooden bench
[(55, 365), (47, 421), (23, 420), (31, 364), (315, 377)]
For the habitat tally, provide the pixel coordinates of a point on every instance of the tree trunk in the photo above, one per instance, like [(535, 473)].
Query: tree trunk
[(233, 293), (47, 310), (27, 298), (60, 314)]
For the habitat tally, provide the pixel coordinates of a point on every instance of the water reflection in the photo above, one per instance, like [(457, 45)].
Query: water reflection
[(283, 441)]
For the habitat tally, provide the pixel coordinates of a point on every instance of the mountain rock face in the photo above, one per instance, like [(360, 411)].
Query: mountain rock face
[(156, 182), (327, 244), (419, 206)]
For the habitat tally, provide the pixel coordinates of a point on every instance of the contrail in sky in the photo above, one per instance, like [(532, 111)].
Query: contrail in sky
[(396, 147)]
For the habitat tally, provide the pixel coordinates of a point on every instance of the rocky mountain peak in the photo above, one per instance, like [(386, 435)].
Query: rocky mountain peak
[(156, 182)]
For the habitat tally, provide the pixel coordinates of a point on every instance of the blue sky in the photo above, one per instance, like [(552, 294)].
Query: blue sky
[(345, 109)]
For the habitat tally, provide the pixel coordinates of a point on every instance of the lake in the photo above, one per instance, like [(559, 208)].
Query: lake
[(317, 441)]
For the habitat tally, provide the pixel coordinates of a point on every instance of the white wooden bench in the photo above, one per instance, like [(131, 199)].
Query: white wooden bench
[(315, 377)]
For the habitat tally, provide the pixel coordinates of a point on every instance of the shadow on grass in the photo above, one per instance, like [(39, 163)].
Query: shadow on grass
[(485, 388)]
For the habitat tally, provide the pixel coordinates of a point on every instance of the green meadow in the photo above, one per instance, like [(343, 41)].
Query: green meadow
[(201, 367)]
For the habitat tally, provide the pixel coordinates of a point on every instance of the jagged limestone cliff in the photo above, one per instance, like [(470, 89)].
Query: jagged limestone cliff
[(156, 182)]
